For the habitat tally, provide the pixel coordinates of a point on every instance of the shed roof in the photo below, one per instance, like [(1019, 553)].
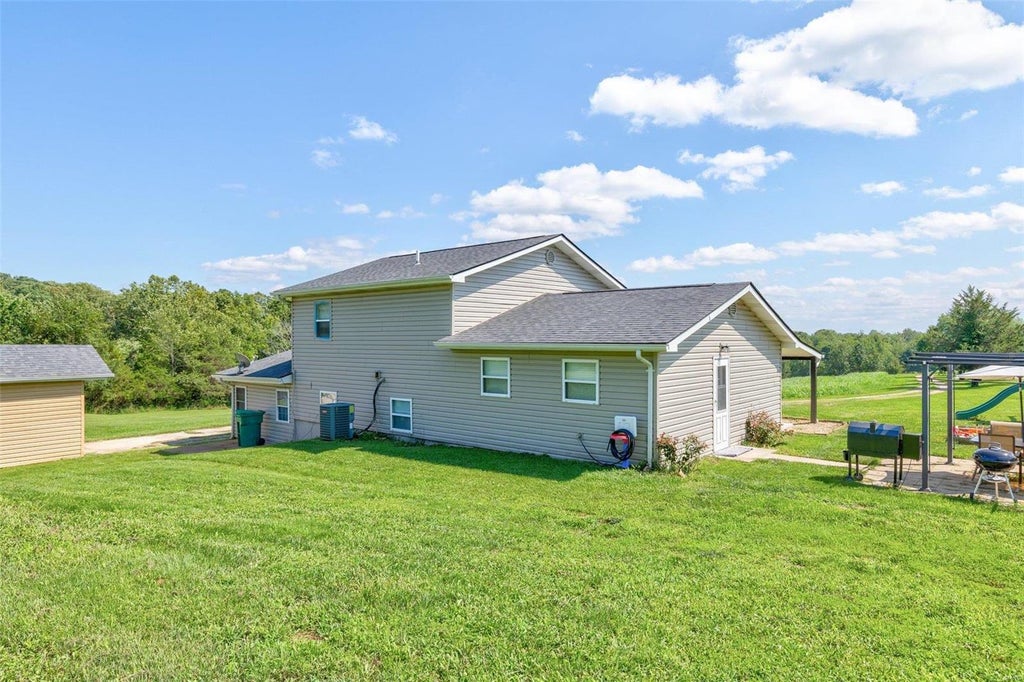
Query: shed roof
[(441, 266), (275, 368), (656, 318), (50, 362)]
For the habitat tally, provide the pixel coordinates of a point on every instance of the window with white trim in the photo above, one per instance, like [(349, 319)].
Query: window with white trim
[(239, 398), (322, 319), (328, 397), (495, 377), (401, 415), (284, 405), (580, 381)]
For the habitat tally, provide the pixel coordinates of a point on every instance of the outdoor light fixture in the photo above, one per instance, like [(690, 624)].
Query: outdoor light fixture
[(722, 349)]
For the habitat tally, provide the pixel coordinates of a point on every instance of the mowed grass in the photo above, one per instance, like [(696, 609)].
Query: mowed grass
[(849, 385), (381, 561), (899, 402), (150, 422)]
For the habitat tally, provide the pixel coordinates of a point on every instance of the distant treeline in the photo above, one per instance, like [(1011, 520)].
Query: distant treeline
[(162, 338), (973, 323)]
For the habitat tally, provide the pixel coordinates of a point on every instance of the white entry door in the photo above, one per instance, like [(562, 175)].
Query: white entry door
[(721, 435)]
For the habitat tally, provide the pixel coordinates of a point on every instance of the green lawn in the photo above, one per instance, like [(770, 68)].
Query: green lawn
[(149, 422), (388, 562), (897, 401)]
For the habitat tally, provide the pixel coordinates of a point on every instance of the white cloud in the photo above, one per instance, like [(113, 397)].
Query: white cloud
[(970, 113), (574, 136), (437, 198), (877, 242), (404, 212), (742, 169), (974, 171), (330, 141), (886, 189), (324, 158), (1012, 174), (580, 201), (353, 209), (742, 253), (234, 186), (954, 193), (934, 111), (849, 70), (939, 225), (335, 254), (362, 128), (274, 214)]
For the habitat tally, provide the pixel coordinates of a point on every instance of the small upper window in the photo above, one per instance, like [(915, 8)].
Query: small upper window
[(322, 319), (239, 397), (401, 415), (284, 405), (494, 377), (579, 381)]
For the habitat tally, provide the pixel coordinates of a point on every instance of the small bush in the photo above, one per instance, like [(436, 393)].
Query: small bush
[(763, 430), (679, 455)]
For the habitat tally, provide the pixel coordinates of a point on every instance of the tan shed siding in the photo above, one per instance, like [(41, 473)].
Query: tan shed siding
[(394, 332), (686, 378), (503, 287), (41, 421), (262, 397)]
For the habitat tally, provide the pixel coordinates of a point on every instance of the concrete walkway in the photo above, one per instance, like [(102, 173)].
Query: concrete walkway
[(953, 480), (179, 439)]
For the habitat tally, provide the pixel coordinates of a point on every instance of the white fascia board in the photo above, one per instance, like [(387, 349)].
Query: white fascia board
[(376, 286), (673, 345), (610, 347), (580, 258), (264, 381), (43, 380)]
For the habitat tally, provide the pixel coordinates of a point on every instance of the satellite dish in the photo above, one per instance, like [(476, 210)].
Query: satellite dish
[(242, 361)]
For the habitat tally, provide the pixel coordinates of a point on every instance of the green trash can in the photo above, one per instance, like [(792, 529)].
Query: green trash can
[(248, 422)]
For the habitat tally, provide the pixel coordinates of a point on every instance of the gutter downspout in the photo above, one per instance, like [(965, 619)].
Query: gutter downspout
[(650, 408)]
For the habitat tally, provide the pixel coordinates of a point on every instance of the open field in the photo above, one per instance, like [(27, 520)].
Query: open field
[(898, 401), (382, 561), (149, 422)]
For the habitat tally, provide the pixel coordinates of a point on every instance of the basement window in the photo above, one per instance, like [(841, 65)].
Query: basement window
[(401, 415)]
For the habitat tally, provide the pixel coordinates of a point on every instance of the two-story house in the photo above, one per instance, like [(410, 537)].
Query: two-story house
[(524, 345)]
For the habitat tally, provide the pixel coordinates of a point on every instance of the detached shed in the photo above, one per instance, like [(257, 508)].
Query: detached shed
[(42, 401)]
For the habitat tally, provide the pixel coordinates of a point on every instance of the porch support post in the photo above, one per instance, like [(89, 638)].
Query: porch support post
[(814, 390), (950, 439), (925, 431)]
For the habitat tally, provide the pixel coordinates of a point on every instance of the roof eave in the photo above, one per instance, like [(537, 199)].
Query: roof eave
[(371, 286), (609, 347), (39, 380), (242, 379)]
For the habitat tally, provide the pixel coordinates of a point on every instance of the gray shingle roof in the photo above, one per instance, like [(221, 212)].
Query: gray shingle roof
[(627, 316), (51, 363), (433, 264), (277, 366)]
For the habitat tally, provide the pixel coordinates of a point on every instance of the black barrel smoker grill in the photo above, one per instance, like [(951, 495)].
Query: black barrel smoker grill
[(889, 441)]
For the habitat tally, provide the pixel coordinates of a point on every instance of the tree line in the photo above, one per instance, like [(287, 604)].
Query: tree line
[(974, 322), (162, 338)]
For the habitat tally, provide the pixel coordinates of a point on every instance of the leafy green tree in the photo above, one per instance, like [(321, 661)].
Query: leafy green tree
[(975, 323)]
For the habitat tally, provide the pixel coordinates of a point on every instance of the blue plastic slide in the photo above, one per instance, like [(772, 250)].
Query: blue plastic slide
[(973, 412)]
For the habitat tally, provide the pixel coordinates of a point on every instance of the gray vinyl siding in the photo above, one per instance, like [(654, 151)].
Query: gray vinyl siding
[(686, 378), (263, 397), (394, 332), (503, 287)]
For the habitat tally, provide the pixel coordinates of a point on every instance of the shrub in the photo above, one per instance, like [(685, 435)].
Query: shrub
[(763, 430), (679, 455)]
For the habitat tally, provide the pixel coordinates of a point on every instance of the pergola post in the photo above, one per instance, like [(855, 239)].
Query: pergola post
[(950, 439), (814, 390), (925, 435)]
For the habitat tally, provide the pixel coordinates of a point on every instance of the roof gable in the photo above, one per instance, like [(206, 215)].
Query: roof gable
[(51, 362), (442, 266)]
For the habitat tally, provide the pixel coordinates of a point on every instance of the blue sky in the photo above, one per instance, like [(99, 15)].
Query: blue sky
[(861, 164)]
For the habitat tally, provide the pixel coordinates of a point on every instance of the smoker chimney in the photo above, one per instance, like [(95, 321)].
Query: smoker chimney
[(417, 256)]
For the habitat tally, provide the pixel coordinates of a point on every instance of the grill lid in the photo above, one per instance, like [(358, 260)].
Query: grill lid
[(995, 458)]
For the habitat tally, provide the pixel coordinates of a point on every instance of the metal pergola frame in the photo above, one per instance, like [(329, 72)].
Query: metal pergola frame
[(949, 360)]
